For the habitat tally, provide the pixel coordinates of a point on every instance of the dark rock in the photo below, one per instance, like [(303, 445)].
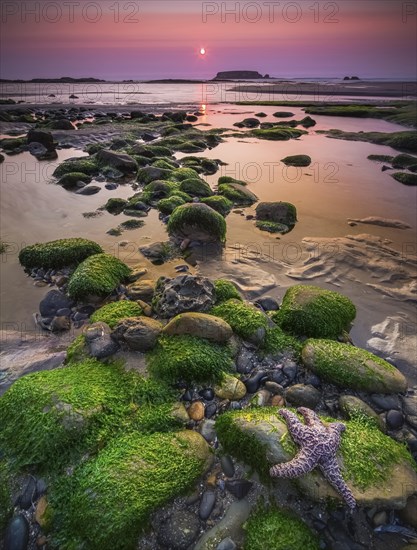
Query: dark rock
[(277, 212), (395, 419), (119, 161), (227, 465), (208, 430), (158, 252), (239, 487), (207, 394), (65, 312), (244, 362), (235, 406), (207, 502), (60, 323), (226, 544), (290, 370), (303, 395), (53, 302), (267, 303), (183, 293), (210, 410), (253, 383), (28, 495), (17, 534), (147, 136), (61, 124), (111, 186), (88, 190), (99, 341), (187, 396), (179, 531), (386, 402)]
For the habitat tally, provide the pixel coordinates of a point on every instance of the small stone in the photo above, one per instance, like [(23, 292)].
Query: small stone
[(244, 362), (239, 487), (261, 398), (28, 494), (207, 394), (179, 531), (386, 402), (274, 388), (147, 309), (142, 290), (303, 396), (395, 419), (17, 534), (211, 410), (227, 465), (380, 518), (290, 370), (226, 544), (230, 388), (252, 384), (138, 271), (267, 303), (208, 500), (208, 430), (59, 324), (277, 401), (196, 410), (41, 507)]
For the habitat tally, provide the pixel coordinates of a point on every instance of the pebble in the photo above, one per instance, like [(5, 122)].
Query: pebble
[(290, 370), (239, 487), (187, 396), (208, 500), (28, 494), (41, 507), (235, 406), (226, 544), (274, 388), (227, 465), (267, 303), (244, 362), (395, 419), (211, 410), (179, 531), (261, 398), (277, 401), (303, 395), (277, 376), (386, 402), (380, 518), (252, 384), (208, 430), (196, 410), (17, 534), (207, 394)]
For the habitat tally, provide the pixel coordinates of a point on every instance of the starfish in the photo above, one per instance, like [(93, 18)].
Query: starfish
[(318, 446)]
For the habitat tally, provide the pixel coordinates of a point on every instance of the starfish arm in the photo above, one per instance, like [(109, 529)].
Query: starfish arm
[(301, 464), (310, 416), (296, 428), (331, 471)]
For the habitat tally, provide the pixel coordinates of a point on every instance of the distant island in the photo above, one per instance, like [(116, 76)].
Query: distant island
[(62, 80), (243, 75)]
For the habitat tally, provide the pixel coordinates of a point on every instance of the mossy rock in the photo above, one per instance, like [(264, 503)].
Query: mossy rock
[(351, 367), (84, 165), (59, 253), (77, 351), (245, 319), (70, 180), (6, 507), (112, 313), (297, 160), (151, 173), (312, 311), (196, 187), (283, 114), (238, 194), (230, 179), (404, 161), (53, 416), (188, 358), (276, 341), (405, 178), (279, 212), (278, 529), (278, 133), (168, 205), (107, 501), (379, 470), (225, 290), (163, 163), (201, 325), (184, 173), (13, 145), (159, 189), (381, 158), (197, 222), (115, 205), (272, 227), (222, 205), (98, 275)]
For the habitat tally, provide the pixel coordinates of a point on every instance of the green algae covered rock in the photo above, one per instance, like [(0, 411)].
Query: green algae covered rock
[(85, 165), (59, 253), (405, 177), (297, 160), (278, 529), (237, 193), (379, 471), (6, 507), (52, 415), (199, 324), (225, 290), (312, 311), (245, 319), (222, 205), (168, 205), (108, 500), (197, 222), (98, 275), (196, 187), (278, 133), (112, 313), (351, 367), (188, 358)]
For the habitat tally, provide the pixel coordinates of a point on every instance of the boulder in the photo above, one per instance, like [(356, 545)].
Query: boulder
[(138, 333), (99, 341), (230, 388), (40, 136), (351, 367), (201, 325), (141, 290), (120, 161), (278, 212), (53, 302), (237, 193), (197, 222), (297, 160), (183, 293), (303, 395), (260, 439)]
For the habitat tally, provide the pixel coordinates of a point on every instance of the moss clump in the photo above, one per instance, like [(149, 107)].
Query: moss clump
[(229, 179), (6, 507), (351, 367), (405, 178), (272, 227), (198, 216), (297, 160), (225, 290), (72, 178), (112, 313), (157, 418), (131, 224), (276, 341), (196, 187), (54, 415), (312, 311), (181, 174), (353, 110), (98, 275), (115, 205), (167, 206), (108, 500), (177, 193), (404, 161), (222, 205), (77, 350), (163, 163), (244, 318), (278, 133), (406, 141), (158, 189), (237, 194), (381, 158), (85, 165), (60, 253), (278, 529), (188, 358), (13, 145)]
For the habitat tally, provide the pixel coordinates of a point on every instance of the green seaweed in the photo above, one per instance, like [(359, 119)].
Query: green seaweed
[(405, 178), (112, 313), (244, 318), (167, 206), (225, 290), (198, 215), (222, 205), (278, 133), (85, 165), (59, 253)]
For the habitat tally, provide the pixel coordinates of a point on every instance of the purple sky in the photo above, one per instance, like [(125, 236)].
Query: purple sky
[(155, 39)]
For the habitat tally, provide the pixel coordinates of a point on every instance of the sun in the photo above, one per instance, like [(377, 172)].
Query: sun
[(202, 51)]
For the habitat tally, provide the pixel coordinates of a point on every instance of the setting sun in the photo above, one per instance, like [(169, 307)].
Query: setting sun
[(202, 51)]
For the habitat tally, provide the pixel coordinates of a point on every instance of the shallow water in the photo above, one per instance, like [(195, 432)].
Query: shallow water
[(341, 183)]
